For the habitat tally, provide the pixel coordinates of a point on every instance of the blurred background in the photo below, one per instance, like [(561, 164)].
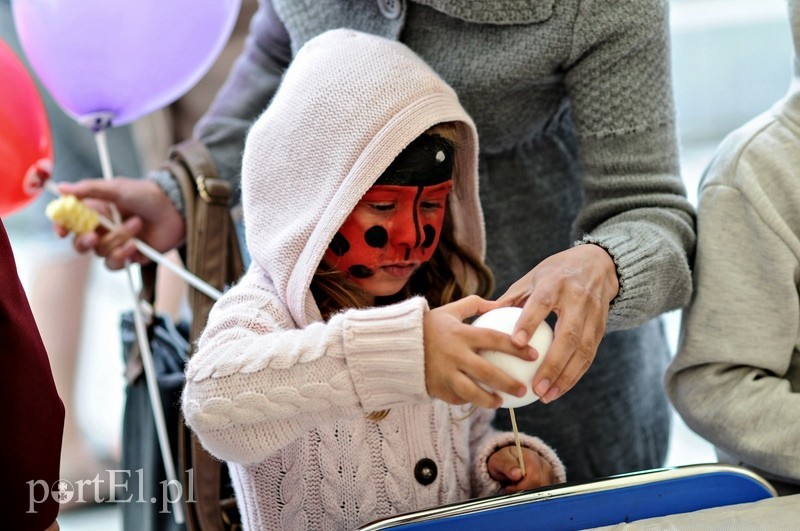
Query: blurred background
[(731, 61)]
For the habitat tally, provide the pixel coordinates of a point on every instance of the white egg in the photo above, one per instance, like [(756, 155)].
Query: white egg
[(503, 320)]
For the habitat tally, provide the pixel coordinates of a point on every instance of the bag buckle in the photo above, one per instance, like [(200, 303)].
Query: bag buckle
[(213, 191)]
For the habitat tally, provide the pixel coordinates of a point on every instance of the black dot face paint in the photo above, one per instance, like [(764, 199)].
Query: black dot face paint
[(416, 215), (376, 237), (430, 236), (339, 245)]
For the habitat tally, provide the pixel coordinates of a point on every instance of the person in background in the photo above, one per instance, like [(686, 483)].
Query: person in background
[(325, 376), (32, 412), (586, 215), (736, 377)]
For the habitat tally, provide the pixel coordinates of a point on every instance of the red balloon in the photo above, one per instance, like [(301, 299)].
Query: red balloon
[(26, 146)]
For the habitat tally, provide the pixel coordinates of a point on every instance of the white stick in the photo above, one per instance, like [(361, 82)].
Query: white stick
[(147, 356)]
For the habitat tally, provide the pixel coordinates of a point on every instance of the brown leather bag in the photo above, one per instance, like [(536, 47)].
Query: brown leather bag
[(212, 253)]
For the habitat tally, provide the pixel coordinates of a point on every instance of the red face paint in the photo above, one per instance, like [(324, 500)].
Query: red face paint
[(392, 231)]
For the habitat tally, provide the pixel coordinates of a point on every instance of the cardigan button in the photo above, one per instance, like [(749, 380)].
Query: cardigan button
[(390, 9), (425, 472)]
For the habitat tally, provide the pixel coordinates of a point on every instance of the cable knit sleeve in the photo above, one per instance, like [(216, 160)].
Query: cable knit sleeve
[(635, 203), (255, 384), (485, 440)]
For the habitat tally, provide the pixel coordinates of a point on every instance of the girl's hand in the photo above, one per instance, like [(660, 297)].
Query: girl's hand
[(504, 468), (453, 368)]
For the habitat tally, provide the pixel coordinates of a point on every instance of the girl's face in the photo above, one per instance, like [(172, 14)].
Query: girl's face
[(392, 231)]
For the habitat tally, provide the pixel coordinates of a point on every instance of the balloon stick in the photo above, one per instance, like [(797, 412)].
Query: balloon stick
[(516, 440), (146, 354)]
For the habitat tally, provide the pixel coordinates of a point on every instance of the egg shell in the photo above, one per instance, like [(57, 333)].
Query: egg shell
[(503, 320)]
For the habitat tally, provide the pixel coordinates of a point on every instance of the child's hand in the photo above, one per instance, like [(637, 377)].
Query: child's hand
[(453, 367), (504, 467)]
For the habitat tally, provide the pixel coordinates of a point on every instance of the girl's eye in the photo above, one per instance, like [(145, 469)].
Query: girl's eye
[(431, 205), (382, 207)]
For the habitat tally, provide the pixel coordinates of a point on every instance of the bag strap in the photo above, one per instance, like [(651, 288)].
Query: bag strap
[(212, 253), (212, 249)]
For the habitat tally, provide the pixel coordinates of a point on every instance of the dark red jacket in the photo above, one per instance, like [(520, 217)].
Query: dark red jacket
[(31, 412)]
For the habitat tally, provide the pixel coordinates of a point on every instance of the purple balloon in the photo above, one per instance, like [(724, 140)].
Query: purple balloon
[(109, 62)]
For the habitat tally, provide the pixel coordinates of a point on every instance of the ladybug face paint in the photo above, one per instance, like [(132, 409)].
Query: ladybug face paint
[(391, 232)]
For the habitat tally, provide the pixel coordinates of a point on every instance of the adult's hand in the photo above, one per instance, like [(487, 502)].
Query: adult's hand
[(453, 367), (146, 211), (577, 285)]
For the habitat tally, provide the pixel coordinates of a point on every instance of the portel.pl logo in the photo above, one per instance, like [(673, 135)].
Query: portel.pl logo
[(122, 486)]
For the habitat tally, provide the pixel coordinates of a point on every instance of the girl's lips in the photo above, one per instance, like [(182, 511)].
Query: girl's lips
[(400, 270)]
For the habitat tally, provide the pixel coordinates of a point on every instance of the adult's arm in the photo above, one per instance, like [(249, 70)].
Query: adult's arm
[(635, 208), (253, 80), (635, 201)]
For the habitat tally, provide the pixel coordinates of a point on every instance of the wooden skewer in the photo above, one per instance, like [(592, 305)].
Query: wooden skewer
[(516, 439)]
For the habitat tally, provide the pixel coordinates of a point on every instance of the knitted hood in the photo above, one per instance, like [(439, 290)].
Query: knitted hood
[(347, 106)]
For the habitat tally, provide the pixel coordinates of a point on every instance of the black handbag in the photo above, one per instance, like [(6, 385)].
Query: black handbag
[(211, 253)]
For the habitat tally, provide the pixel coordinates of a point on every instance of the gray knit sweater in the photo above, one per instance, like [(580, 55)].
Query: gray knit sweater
[(573, 105)]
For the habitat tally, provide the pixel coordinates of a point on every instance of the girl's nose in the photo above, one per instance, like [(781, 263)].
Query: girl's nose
[(406, 230)]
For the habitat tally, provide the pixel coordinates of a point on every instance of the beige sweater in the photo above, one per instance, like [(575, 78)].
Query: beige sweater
[(736, 377)]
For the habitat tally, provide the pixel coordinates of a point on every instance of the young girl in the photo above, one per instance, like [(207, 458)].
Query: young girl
[(318, 374)]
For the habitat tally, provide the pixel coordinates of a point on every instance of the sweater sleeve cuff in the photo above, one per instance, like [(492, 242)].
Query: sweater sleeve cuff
[(165, 180), (503, 439), (385, 354), (640, 277)]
